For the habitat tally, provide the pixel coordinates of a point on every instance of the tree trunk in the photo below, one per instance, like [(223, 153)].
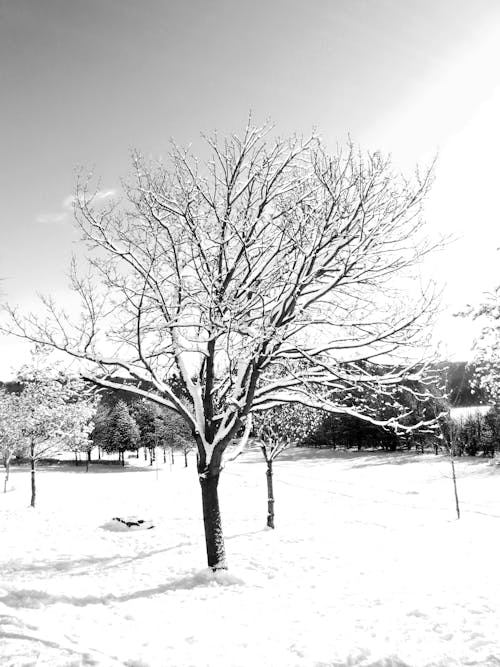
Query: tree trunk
[(455, 490), (214, 539), (76, 458), (270, 494), (145, 453), (89, 455), (33, 481), (123, 458), (172, 455), (185, 458), (7, 473), (164, 455)]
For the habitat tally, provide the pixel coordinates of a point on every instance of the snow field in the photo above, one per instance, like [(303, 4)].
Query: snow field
[(367, 566)]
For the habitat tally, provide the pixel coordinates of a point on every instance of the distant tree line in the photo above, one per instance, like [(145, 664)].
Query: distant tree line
[(126, 423), (455, 386)]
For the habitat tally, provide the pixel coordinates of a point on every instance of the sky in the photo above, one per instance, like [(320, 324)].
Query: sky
[(85, 81)]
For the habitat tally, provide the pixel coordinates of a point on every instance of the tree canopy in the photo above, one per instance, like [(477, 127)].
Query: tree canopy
[(272, 273)]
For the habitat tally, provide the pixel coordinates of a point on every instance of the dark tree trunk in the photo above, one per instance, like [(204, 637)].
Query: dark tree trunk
[(76, 458), (33, 481), (145, 453), (89, 456), (123, 459), (185, 458), (99, 452), (164, 455), (214, 539), (172, 455), (270, 494)]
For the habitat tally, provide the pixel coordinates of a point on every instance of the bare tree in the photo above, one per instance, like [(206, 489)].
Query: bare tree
[(271, 253)]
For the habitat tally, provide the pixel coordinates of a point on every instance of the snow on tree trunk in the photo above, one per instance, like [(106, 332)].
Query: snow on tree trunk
[(270, 494), (214, 538)]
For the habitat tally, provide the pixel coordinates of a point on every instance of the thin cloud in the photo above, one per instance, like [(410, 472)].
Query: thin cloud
[(49, 218), (104, 194), (67, 207)]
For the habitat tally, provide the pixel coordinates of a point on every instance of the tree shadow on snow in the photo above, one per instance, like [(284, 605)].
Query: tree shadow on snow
[(95, 468), (103, 563), (84, 659), (36, 599), (361, 458)]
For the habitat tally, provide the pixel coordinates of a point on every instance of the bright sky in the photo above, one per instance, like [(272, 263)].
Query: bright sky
[(83, 81)]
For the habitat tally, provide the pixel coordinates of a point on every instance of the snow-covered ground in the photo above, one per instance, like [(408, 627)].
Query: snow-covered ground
[(367, 566)]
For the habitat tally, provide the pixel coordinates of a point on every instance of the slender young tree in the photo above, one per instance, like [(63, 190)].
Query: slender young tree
[(277, 429), (80, 416), (54, 410), (10, 431), (447, 442), (270, 253)]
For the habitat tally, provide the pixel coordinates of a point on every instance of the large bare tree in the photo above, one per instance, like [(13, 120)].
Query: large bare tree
[(270, 273)]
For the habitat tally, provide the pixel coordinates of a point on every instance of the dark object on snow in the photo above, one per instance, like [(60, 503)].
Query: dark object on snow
[(138, 524)]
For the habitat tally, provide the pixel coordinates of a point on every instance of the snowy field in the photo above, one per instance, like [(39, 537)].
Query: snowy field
[(367, 566)]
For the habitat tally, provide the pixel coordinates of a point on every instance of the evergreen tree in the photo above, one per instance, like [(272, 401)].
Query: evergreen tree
[(120, 433)]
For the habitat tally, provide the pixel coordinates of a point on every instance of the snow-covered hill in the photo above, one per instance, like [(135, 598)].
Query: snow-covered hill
[(367, 566)]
